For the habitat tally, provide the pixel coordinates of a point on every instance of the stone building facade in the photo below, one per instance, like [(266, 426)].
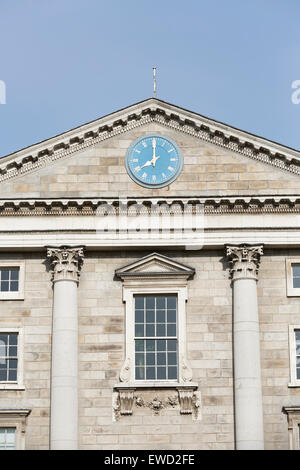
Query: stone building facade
[(223, 370)]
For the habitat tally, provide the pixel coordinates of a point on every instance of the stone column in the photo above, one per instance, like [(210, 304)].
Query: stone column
[(244, 263), (66, 264)]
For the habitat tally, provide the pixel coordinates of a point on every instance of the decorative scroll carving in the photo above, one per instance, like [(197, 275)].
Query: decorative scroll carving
[(186, 372), (186, 400), (126, 397), (244, 260), (66, 262), (125, 371)]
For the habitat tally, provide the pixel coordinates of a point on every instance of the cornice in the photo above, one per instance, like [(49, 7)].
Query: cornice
[(40, 155), (283, 204)]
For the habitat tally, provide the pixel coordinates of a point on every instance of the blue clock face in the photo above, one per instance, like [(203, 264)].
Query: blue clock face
[(154, 161)]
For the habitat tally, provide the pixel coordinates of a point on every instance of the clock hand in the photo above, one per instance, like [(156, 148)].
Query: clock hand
[(155, 159), (148, 163), (154, 146)]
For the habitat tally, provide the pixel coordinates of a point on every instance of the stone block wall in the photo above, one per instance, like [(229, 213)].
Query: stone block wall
[(102, 346)]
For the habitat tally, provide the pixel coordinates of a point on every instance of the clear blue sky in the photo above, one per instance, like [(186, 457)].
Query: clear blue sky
[(67, 62)]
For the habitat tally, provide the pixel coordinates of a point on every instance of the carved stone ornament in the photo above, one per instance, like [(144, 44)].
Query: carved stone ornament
[(244, 261), (186, 400), (126, 397), (66, 262), (186, 372), (125, 371), (156, 405)]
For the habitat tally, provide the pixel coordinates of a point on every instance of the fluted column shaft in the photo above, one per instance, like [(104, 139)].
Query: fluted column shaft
[(66, 263), (244, 264)]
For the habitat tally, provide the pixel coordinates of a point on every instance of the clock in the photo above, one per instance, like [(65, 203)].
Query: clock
[(154, 161)]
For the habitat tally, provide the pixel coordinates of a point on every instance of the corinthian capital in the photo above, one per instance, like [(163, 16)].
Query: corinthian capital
[(244, 260), (66, 262)]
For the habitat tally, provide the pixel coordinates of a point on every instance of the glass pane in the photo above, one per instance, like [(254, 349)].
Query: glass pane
[(139, 302), (160, 316), (13, 338), (139, 316), (139, 330), (4, 274), (161, 373), (2, 350), (172, 359), (12, 375), (13, 351), (10, 435), (161, 345), (3, 375), (172, 373), (150, 345), (160, 302), (4, 286), (150, 359), (139, 359), (161, 359), (171, 316), (150, 302), (171, 330), (296, 270), (150, 331), (171, 302), (14, 274), (297, 336), (172, 345), (298, 373), (13, 363), (150, 316), (3, 339), (150, 373), (14, 286), (139, 345), (296, 282), (139, 373), (161, 330)]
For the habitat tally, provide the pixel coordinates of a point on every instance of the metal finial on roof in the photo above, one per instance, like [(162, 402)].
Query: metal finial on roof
[(154, 82)]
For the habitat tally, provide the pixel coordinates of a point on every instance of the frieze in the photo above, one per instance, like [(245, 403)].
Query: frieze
[(187, 400)]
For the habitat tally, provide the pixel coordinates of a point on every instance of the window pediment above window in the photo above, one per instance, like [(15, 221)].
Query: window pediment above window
[(153, 266)]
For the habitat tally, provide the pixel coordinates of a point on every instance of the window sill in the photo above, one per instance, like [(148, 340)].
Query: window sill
[(11, 386), (294, 384), (155, 384), (15, 296)]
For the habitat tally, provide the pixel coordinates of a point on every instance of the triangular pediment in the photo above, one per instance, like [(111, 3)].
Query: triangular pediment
[(155, 265), (48, 153)]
